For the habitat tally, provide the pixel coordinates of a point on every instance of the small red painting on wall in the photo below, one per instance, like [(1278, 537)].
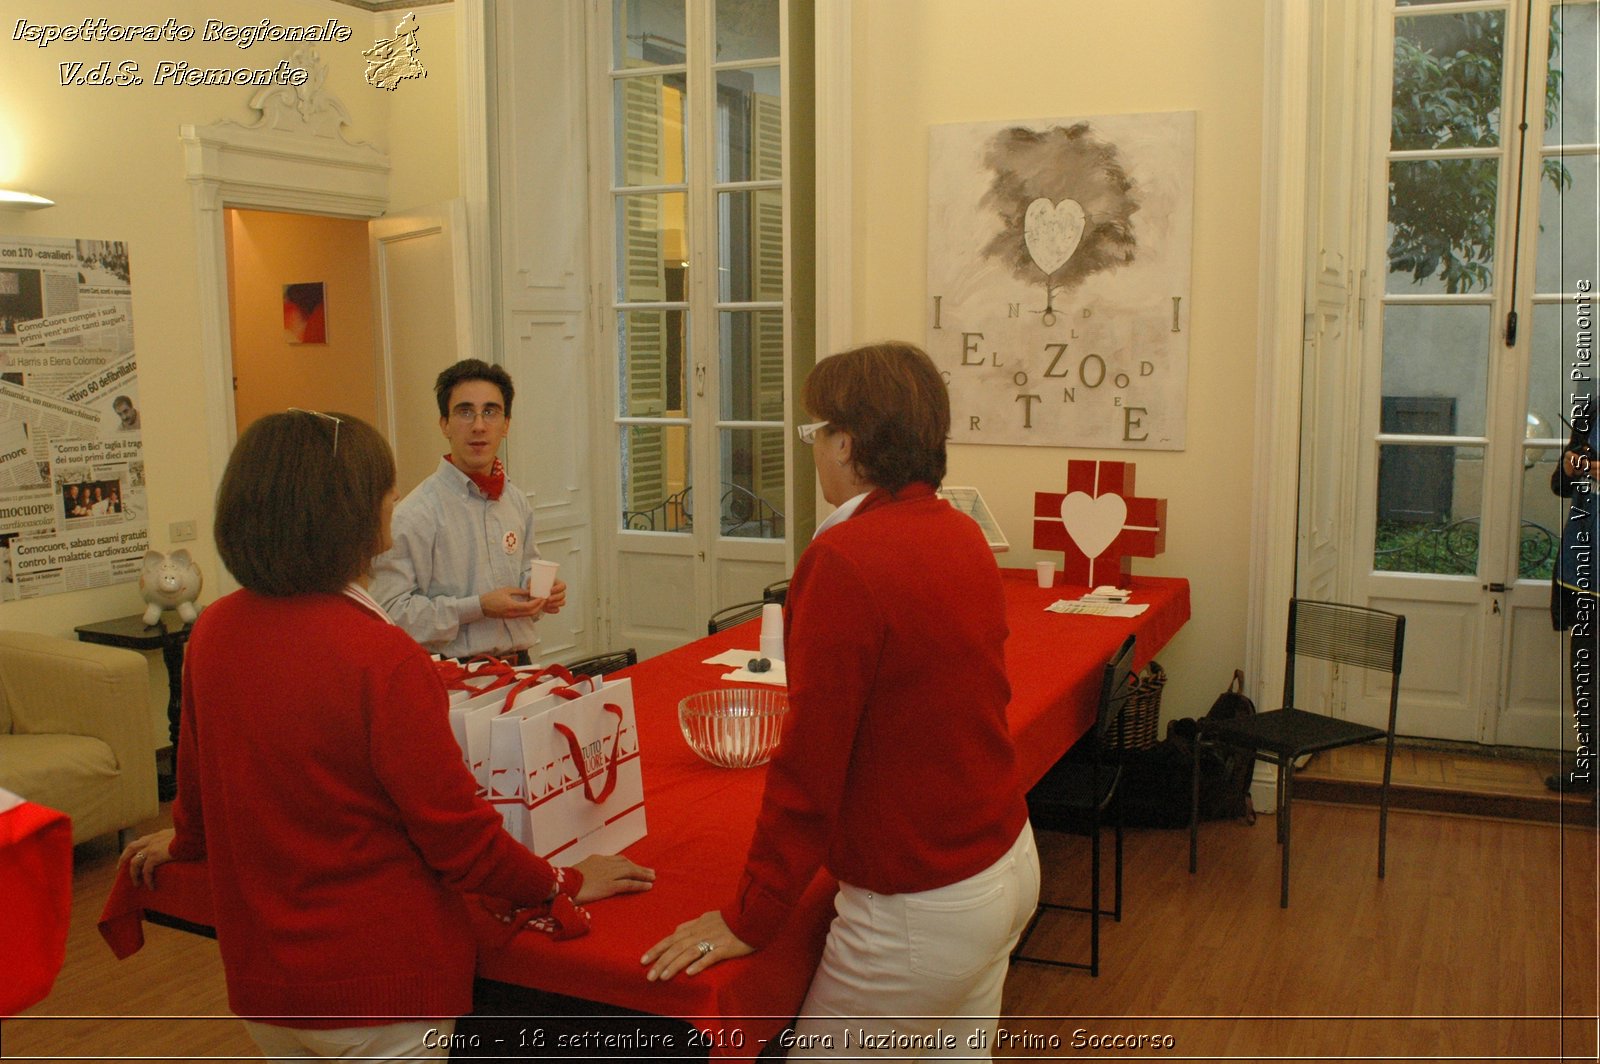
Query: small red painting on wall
[(304, 315)]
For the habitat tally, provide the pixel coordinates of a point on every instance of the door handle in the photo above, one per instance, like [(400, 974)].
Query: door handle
[(1498, 589)]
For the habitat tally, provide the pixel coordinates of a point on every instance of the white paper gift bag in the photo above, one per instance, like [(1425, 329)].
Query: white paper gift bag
[(493, 728), (472, 684), (461, 707), (583, 790), (469, 720)]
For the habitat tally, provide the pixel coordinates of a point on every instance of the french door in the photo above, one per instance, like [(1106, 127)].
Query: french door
[(1482, 245), (689, 99)]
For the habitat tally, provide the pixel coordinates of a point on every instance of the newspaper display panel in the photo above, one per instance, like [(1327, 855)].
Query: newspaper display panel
[(72, 492)]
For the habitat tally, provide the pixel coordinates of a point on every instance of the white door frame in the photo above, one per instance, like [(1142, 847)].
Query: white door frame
[(1281, 327), (285, 162)]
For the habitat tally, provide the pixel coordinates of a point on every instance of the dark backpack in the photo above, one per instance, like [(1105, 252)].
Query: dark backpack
[(1155, 790), (1226, 795)]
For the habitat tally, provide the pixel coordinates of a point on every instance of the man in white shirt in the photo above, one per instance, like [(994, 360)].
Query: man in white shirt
[(456, 578)]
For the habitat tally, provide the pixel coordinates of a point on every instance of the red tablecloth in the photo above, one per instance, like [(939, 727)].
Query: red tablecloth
[(1056, 661), (36, 898), (701, 819)]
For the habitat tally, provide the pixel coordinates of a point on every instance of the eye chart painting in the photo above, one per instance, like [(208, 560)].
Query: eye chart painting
[(1058, 279)]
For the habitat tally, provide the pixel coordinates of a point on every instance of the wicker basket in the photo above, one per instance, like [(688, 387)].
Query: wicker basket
[(1143, 713)]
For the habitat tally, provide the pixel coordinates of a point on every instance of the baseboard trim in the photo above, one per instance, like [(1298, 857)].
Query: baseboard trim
[(1553, 809)]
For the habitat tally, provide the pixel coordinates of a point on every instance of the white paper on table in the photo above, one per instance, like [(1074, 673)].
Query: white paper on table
[(777, 676), (1097, 609), (732, 657)]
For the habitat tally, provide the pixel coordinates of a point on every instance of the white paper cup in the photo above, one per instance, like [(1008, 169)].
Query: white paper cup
[(1047, 573), (543, 578), (772, 631)]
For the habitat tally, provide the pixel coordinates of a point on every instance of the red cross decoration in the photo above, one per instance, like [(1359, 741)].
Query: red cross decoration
[(1099, 523)]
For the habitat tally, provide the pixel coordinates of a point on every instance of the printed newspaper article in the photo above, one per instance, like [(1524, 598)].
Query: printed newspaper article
[(72, 493)]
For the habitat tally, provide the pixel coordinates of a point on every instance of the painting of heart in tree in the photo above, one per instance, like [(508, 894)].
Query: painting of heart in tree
[(305, 318), (1058, 278)]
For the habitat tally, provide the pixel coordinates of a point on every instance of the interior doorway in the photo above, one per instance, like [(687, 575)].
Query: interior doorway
[(274, 258)]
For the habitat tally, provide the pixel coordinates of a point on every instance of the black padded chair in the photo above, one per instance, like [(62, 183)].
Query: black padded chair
[(729, 616), (604, 664), (1079, 787), (778, 591), (1331, 631)]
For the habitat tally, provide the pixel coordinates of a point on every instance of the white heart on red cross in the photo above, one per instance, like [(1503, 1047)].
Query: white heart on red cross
[(1093, 522)]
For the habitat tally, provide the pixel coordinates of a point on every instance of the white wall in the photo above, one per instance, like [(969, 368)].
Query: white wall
[(923, 62), (421, 135), (111, 159)]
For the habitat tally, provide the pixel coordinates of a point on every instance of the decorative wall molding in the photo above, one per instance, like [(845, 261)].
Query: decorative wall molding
[(276, 169), (295, 155), (306, 108)]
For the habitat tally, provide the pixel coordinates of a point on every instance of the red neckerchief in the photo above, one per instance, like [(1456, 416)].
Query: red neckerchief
[(491, 483)]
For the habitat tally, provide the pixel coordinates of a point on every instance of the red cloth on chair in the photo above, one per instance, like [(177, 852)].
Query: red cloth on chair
[(36, 898)]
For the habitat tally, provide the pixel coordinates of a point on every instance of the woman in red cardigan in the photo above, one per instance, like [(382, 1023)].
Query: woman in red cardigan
[(318, 777), (896, 770)]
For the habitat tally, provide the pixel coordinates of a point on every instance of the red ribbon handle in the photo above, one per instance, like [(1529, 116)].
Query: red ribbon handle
[(458, 677), (611, 765), (537, 677)]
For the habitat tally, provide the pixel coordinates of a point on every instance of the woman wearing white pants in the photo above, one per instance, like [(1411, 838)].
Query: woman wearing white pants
[(896, 770), (932, 965)]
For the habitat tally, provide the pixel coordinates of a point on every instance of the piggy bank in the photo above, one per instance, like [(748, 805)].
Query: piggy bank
[(169, 581)]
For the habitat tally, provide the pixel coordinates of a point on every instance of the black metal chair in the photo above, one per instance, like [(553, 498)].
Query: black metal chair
[(1331, 631), (729, 616), (1082, 785), (604, 664), (777, 591)]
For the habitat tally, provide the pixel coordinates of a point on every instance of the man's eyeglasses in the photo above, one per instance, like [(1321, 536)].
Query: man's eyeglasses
[(808, 433), (466, 414), (326, 417)]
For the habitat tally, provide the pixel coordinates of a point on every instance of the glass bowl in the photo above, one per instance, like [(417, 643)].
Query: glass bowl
[(734, 727)]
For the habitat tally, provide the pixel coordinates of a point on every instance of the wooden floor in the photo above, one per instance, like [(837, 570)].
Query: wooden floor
[(1446, 777), (1458, 766), (1480, 944)]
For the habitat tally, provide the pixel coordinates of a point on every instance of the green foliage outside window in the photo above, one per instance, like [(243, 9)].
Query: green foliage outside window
[(1447, 85), (1452, 549)]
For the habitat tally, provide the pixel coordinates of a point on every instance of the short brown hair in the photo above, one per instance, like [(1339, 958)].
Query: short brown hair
[(894, 404), (472, 369), (293, 516)]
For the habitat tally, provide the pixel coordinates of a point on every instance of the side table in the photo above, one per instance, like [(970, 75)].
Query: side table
[(168, 635)]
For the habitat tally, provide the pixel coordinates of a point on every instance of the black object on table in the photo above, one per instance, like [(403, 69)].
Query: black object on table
[(168, 635)]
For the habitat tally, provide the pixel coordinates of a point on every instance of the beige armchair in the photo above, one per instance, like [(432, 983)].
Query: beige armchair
[(75, 731)]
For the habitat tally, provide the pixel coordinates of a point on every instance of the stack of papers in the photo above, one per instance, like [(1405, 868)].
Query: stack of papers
[(1108, 593), (1097, 609)]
